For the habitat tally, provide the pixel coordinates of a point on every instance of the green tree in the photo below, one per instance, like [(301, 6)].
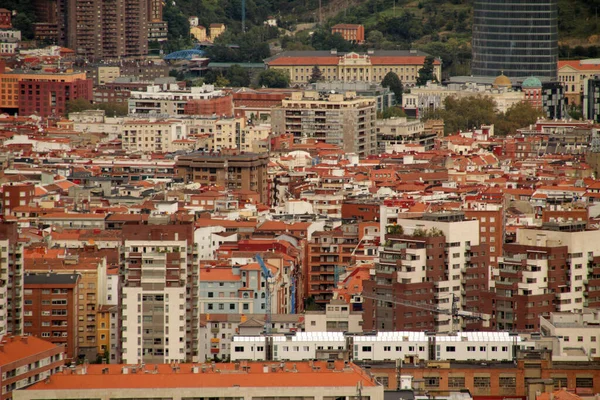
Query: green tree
[(518, 116), (238, 76), (392, 81), (375, 39), (464, 113), (24, 23), (426, 73), (113, 109), (316, 75), (391, 112), (274, 78), (221, 81), (78, 105)]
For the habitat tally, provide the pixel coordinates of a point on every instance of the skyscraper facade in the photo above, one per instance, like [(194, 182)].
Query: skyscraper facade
[(516, 37)]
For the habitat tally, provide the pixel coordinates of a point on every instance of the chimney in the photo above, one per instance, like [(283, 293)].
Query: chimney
[(24, 339)]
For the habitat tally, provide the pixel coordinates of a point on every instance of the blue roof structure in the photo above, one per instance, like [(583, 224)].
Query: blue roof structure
[(184, 54)]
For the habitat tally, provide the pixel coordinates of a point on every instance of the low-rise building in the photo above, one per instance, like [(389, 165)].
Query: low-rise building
[(575, 332), (352, 67), (26, 360), (337, 317), (354, 33), (318, 380), (168, 99)]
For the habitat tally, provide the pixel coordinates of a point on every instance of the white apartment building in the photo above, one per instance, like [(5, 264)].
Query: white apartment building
[(583, 245), (168, 99), (150, 136), (159, 315)]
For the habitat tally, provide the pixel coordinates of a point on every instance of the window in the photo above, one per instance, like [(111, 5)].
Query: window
[(560, 382), (580, 338), (383, 380), (456, 382), (507, 384), (481, 383), (387, 348), (238, 349), (451, 349), (584, 382), (366, 348), (432, 381)]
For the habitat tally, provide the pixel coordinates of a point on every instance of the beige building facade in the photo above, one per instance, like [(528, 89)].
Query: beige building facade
[(343, 119)]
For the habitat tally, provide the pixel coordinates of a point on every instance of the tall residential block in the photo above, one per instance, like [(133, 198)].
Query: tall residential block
[(518, 38), (11, 281), (343, 119), (432, 263), (98, 29), (160, 294)]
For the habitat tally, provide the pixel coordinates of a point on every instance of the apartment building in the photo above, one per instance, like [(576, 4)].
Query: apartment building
[(354, 33), (549, 269), (491, 229), (160, 295), (345, 120), (246, 171), (15, 195), (26, 360), (327, 255), (583, 245), (152, 136), (435, 261), (41, 93), (50, 309), (168, 99), (92, 272), (236, 289), (11, 280), (352, 67)]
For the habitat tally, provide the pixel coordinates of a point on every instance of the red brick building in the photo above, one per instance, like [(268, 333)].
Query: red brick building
[(219, 106), (51, 309), (26, 360), (48, 98), (351, 32), (15, 195), (491, 230)]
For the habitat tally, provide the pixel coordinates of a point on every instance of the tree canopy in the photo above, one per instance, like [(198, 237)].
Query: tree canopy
[(473, 111), (111, 109), (273, 78), (426, 73), (392, 81)]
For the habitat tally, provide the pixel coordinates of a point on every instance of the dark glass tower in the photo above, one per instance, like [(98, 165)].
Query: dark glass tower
[(516, 37)]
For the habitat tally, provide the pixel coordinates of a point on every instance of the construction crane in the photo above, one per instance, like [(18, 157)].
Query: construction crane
[(266, 272), (267, 275), (454, 312)]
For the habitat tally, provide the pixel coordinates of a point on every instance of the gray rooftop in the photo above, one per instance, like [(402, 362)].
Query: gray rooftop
[(51, 279)]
